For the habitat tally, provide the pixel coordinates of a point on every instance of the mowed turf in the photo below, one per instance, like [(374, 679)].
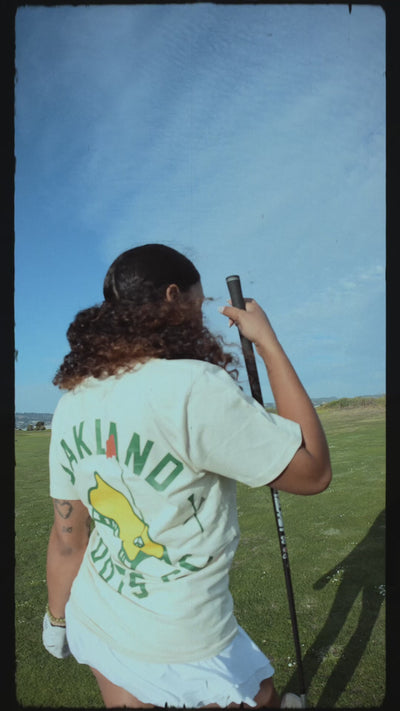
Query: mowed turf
[(336, 551)]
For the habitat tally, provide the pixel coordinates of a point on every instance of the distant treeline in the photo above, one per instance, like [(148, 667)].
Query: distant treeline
[(30, 420), (355, 402), (38, 421)]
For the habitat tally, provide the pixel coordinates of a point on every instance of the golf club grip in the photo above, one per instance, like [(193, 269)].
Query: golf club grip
[(235, 292)]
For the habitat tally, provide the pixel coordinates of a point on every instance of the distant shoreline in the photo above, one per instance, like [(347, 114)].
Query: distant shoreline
[(24, 419)]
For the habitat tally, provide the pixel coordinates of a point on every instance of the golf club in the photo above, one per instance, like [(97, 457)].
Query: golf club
[(235, 291)]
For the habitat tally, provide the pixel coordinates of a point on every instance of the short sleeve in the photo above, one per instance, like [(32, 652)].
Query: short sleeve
[(231, 434), (62, 476)]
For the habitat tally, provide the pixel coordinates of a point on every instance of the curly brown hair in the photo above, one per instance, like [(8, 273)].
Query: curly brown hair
[(136, 322)]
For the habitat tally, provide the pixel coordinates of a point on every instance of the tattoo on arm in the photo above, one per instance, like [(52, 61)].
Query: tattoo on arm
[(64, 508), (68, 529)]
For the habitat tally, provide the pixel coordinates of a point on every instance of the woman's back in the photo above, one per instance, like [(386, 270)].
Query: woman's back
[(150, 455)]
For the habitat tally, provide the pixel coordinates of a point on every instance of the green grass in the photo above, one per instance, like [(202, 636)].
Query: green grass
[(336, 548), (42, 680)]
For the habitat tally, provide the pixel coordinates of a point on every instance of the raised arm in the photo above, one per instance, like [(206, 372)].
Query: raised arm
[(309, 472)]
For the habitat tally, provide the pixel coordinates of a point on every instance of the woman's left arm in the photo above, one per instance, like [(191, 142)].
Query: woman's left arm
[(67, 544)]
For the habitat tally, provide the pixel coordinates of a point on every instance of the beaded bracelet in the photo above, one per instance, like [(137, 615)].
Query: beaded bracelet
[(55, 621)]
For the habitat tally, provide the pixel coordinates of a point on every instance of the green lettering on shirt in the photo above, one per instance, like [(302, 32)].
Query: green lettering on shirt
[(107, 570), (189, 566), (70, 455), (70, 473), (135, 583), (153, 477), (80, 444), (99, 552), (166, 578), (139, 458), (99, 448)]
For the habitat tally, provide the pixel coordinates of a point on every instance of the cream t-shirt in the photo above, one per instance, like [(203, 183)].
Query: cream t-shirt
[(155, 455)]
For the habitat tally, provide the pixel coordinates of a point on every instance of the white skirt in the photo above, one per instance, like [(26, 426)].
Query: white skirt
[(233, 676)]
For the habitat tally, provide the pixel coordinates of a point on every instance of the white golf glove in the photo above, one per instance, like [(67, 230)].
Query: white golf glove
[(55, 639)]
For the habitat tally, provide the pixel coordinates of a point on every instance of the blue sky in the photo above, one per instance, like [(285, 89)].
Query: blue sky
[(250, 137)]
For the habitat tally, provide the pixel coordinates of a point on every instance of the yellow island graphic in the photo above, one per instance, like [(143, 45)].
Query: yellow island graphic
[(133, 532)]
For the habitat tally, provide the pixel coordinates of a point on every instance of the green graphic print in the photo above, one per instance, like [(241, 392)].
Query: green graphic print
[(112, 508), (134, 533)]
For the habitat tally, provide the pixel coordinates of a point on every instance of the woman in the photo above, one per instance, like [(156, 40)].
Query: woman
[(148, 443)]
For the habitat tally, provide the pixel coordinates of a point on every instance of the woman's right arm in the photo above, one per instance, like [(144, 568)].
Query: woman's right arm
[(309, 472)]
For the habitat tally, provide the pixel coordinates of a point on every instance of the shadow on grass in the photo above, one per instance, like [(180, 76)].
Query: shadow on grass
[(361, 572)]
